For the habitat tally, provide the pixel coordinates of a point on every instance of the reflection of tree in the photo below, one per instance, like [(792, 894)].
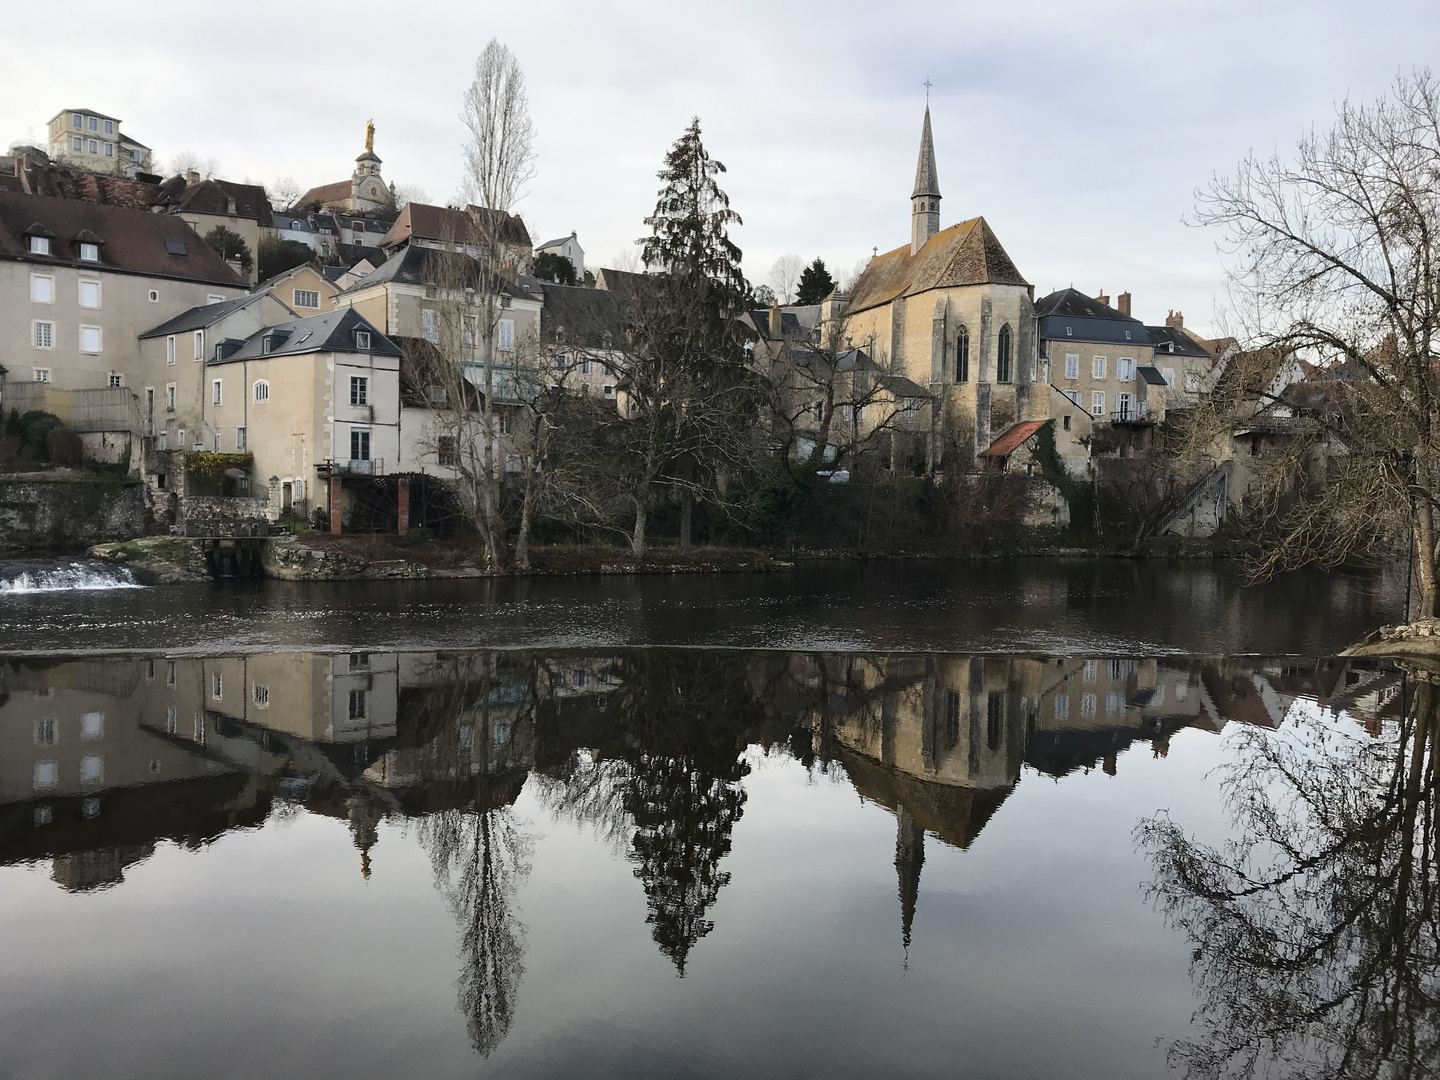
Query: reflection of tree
[(1318, 930), (479, 858), (477, 849), (686, 717)]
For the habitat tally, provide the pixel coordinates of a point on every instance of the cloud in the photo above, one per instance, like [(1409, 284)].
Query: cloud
[(1079, 131)]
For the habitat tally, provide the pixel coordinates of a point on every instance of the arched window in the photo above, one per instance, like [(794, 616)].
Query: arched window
[(962, 354), (1002, 356), (262, 390)]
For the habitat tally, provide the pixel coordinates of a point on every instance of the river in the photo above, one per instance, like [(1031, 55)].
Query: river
[(921, 820)]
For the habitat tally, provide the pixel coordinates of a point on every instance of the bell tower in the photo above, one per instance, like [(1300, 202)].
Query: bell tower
[(925, 199)]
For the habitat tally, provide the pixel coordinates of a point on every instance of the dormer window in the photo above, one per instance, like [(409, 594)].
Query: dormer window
[(362, 339), (39, 245), (89, 252)]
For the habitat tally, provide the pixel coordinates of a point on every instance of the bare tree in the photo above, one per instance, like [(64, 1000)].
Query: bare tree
[(284, 192), (833, 403), (499, 160), (405, 194), (193, 161), (1338, 262), (784, 276)]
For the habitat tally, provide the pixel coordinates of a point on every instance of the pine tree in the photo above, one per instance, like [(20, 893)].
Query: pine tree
[(689, 228), (815, 283)]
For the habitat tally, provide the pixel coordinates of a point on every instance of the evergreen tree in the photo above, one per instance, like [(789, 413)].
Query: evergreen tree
[(230, 245), (690, 226), (815, 283)]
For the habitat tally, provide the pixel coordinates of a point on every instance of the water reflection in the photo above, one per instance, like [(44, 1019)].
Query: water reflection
[(1316, 930), (101, 760)]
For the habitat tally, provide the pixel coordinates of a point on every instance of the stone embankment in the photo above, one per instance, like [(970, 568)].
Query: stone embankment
[(1419, 639), (67, 510)]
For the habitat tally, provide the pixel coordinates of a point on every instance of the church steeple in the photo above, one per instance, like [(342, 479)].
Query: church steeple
[(925, 199)]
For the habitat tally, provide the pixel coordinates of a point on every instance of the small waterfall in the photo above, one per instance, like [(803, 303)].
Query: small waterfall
[(64, 577)]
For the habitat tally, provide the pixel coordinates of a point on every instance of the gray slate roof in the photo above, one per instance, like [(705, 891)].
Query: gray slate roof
[(333, 331), (594, 318), (1174, 342), (1071, 315), (202, 316), (1152, 376), (411, 265)]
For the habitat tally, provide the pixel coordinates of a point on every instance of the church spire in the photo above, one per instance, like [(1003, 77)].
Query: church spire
[(925, 199)]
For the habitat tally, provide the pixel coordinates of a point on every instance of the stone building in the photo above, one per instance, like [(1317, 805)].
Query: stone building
[(80, 281), (85, 139), (951, 312)]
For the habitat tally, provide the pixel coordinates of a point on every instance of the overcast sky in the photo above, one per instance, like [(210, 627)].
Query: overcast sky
[(1079, 130)]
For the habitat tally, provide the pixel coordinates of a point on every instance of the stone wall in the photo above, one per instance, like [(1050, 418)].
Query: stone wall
[(67, 512), (214, 515)]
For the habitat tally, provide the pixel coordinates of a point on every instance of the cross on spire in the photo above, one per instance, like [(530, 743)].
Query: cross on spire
[(928, 84)]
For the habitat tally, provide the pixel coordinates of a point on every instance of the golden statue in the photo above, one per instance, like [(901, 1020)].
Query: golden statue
[(369, 136)]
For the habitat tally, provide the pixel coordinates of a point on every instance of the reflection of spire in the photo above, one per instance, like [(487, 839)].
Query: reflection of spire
[(364, 829), (909, 858)]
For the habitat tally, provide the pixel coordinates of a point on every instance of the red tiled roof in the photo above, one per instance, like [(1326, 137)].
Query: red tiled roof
[(1010, 440), (326, 195), (447, 223)]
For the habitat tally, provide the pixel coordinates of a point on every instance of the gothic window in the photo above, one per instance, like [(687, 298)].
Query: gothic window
[(1002, 357), (962, 354)]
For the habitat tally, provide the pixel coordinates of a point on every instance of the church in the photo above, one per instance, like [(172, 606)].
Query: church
[(951, 312)]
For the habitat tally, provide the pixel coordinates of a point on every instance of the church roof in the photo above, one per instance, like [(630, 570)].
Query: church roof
[(927, 177), (327, 193), (964, 254)]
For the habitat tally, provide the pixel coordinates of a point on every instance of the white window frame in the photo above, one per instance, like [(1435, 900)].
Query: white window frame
[(116, 379), (1097, 403), (260, 392), (49, 335), (77, 142), (1125, 405), (109, 149), (39, 245), (505, 334), (368, 441), (1168, 374), (170, 351), (49, 283), (109, 127), (79, 121), (89, 252), (359, 391), (217, 391), (242, 438), (41, 375), (1097, 367), (199, 345), (93, 146), (1072, 365), (80, 294), (170, 397), (362, 339), (430, 326), (99, 341), (296, 294), (1124, 369)]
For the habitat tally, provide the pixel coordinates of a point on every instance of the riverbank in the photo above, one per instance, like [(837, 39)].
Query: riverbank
[(322, 557)]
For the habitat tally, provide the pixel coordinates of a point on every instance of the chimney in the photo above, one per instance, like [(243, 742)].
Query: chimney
[(777, 322), (1102, 297), (1176, 320), (1123, 303), (191, 176)]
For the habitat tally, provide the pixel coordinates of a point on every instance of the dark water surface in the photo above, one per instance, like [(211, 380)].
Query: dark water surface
[(842, 846), (1011, 605)]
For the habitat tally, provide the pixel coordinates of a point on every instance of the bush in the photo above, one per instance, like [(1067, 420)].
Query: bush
[(277, 256)]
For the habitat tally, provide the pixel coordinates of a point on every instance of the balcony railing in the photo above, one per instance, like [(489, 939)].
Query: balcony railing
[(353, 467), (1132, 415)]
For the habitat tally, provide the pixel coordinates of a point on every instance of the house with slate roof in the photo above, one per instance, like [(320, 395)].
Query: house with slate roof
[(317, 402), (80, 281), (1100, 357), (170, 378)]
